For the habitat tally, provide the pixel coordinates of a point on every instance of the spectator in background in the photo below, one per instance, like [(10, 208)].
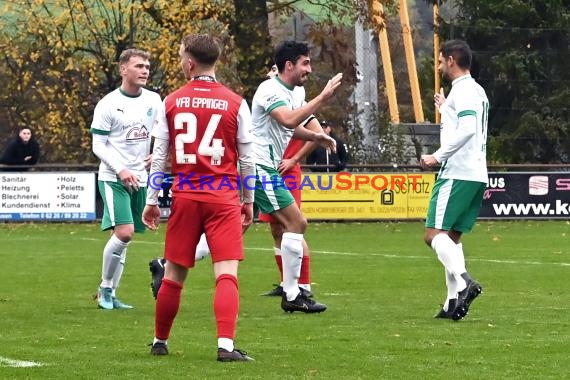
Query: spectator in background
[(323, 156), (22, 150)]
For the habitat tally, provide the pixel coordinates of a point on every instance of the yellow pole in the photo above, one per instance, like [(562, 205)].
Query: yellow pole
[(411, 62), (436, 76), (378, 18)]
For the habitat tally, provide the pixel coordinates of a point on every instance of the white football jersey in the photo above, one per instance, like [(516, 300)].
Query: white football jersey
[(270, 137), (466, 98), (128, 122)]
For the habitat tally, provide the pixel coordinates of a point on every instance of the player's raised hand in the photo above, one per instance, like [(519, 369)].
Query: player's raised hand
[(331, 86), (439, 98)]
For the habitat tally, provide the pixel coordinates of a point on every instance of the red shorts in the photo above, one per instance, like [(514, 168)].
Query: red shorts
[(293, 179), (189, 219)]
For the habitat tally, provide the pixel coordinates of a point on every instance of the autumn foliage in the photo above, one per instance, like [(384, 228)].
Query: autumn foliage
[(59, 58)]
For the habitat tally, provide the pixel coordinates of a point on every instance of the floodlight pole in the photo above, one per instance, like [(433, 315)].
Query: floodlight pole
[(411, 62), (378, 17), (437, 82)]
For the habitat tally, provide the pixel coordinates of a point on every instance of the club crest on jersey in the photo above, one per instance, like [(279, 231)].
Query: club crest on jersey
[(137, 134), (149, 112)]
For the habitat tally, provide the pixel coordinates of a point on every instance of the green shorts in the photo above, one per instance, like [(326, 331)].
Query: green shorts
[(121, 207), (454, 204), (271, 193)]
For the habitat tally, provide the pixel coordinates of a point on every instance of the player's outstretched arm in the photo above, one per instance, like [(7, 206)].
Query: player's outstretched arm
[(293, 118)]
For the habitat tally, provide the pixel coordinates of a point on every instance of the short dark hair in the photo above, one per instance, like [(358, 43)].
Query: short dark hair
[(129, 53), (289, 51), (460, 51), (203, 48)]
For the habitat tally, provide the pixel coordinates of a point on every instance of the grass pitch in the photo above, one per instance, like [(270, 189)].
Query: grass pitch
[(381, 283)]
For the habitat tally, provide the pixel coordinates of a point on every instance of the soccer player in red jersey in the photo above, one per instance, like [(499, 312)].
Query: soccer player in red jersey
[(206, 130)]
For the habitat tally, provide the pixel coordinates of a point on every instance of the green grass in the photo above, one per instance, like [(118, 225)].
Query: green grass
[(381, 283)]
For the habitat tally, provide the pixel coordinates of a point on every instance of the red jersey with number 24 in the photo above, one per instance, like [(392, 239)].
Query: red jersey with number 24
[(205, 122)]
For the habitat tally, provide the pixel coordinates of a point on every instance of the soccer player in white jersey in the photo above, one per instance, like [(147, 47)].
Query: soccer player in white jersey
[(121, 128), (278, 112), (458, 191)]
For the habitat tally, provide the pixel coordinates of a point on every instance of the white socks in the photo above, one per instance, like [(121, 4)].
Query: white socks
[(226, 343), (202, 249), (112, 254), (119, 272), (451, 285), (451, 256), (155, 340), (292, 256), (460, 250)]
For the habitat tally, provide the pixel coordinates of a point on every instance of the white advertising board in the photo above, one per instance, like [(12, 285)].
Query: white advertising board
[(47, 196)]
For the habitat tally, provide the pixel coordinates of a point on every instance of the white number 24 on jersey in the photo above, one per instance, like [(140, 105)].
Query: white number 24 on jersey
[(209, 146)]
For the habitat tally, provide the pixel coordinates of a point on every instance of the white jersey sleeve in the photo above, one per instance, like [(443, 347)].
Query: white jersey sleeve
[(159, 156), (244, 132), (160, 129)]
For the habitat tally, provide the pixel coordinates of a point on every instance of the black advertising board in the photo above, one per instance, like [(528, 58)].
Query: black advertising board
[(527, 196)]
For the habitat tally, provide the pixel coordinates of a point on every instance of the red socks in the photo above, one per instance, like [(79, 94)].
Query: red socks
[(167, 304), (279, 263), (305, 278), (226, 305)]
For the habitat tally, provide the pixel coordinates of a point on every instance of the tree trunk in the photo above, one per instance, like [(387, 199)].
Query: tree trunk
[(255, 51)]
